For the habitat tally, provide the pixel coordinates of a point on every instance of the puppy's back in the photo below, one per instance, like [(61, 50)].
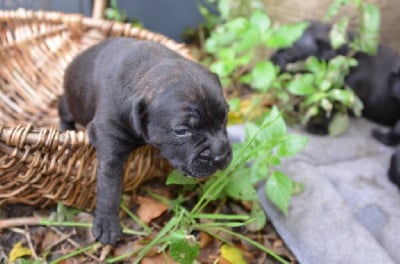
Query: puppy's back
[(102, 71)]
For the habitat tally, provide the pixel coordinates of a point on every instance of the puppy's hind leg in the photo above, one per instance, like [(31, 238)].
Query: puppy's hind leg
[(66, 119), (390, 138)]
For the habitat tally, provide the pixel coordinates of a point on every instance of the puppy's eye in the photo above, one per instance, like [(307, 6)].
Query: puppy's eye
[(182, 132)]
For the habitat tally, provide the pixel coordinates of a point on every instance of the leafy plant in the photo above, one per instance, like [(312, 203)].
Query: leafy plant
[(237, 50), (263, 148), (320, 91), (366, 38), (237, 45), (266, 143), (254, 160), (114, 13)]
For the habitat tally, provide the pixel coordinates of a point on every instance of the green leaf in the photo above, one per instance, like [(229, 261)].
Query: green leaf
[(224, 8), (338, 34), (218, 192), (358, 106), (279, 190), (311, 112), (260, 219), (258, 171), (338, 125), (286, 35), (222, 69), (246, 58), (178, 177), (369, 28), (334, 8), (314, 65), (344, 96), (263, 74), (325, 85), (260, 21), (302, 85), (275, 126), (292, 145), (234, 104), (273, 160), (183, 248), (246, 78), (237, 25), (313, 98), (327, 106), (226, 54), (240, 187), (246, 41)]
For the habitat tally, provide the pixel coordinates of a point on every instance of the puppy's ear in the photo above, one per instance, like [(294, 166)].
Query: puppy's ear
[(137, 116), (394, 82), (216, 77)]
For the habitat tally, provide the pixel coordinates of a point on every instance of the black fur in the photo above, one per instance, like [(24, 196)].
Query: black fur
[(394, 169), (315, 41), (129, 93), (375, 80)]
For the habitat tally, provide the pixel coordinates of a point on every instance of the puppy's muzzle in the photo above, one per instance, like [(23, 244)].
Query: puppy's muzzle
[(218, 155), (219, 161)]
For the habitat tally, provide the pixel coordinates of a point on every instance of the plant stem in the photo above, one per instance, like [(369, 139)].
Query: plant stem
[(158, 239), (136, 219), (47, 222), (74, 253), (221, 216), (222, 180), (254, 243)]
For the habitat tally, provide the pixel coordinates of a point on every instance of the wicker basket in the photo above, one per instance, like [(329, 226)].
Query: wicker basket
[(39, 164)]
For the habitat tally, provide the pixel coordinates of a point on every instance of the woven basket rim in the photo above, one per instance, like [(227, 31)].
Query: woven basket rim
[(75, 21)]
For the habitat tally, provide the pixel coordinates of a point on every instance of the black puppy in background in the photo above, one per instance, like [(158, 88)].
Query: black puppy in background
[(375, 80), (394, 169), (128, 93), (315, 41)]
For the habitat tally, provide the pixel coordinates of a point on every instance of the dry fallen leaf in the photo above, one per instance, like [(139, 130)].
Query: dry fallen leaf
[(205, 239), (49, 240), (149, 209), (18, 251), (232, 254)]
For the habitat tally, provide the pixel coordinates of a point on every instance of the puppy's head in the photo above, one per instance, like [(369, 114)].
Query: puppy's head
[(185, 115)]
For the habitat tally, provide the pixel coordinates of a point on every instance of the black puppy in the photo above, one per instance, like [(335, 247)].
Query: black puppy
[(375, 80), (128, 93), (389, 112), (314, 41)]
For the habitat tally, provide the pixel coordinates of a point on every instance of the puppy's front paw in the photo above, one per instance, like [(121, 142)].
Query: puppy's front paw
[(106, 228)]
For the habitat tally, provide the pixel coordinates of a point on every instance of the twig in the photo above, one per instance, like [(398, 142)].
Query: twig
[(29, 240), (63, 238), (75, 244), (105, 252), (22, 221)]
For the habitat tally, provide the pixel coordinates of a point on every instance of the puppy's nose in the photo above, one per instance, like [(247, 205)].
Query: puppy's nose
[(222, 161)]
